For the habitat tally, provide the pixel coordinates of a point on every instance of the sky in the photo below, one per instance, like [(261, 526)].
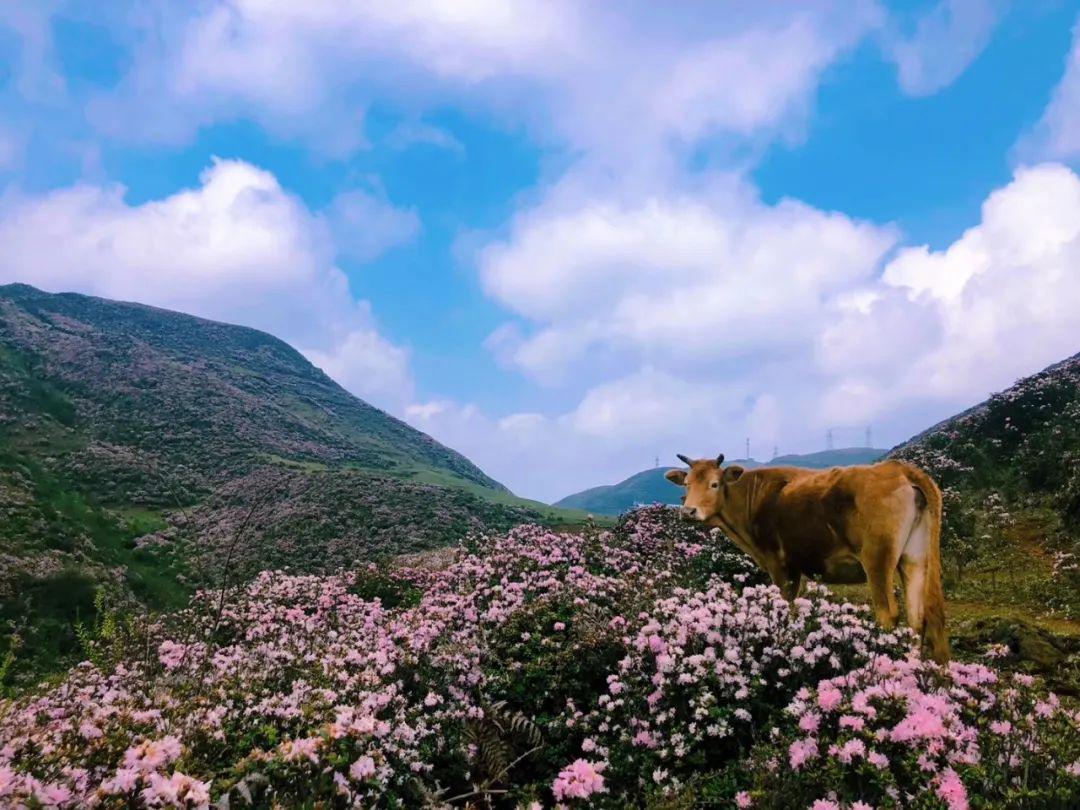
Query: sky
[(571, 238)]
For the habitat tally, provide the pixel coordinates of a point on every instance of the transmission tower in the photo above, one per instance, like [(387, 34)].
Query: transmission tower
[(748, 447), (775, 451), (869, 437), (828, 439)]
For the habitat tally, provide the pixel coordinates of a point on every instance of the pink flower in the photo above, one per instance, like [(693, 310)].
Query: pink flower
[(825, 804), (829, 697), (850, 750), (951, 789), (362, 769), (743, 800), (171, 654), (801, 751), (854, 722), (559, 626), (54, 795), (878, 760), (578, 780), (123, 781)]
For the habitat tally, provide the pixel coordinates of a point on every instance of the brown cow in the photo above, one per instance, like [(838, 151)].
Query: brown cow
[(846, 524)]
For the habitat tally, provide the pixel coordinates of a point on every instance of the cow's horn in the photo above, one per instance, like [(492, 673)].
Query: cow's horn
[(719, 459), (684, 459)]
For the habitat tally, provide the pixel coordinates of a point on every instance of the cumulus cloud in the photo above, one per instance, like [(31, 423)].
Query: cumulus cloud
[(1000, 302), (1057, 133), (679, 279), (310, 70), (947, 38), (615, 430), (236, 248), (365, 226), (856, 332)]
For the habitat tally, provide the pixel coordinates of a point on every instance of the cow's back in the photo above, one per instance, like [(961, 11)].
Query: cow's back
[(820, 516)]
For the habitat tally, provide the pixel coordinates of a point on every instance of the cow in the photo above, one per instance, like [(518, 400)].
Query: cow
[(843, 525)]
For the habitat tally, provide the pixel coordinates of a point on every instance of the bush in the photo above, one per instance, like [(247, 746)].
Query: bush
[(536, 666), (908, 733)]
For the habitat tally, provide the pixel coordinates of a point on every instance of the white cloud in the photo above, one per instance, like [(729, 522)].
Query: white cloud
[(310, 70), (951, 326), (616, 430), (369, 365), (365, 225), (675, 279), (237, 248), (848, 334), (412, 133), (1056, 136), (947, 38)]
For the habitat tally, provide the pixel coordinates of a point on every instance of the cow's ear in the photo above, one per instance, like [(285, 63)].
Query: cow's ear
[(677, 477), (733, 473)]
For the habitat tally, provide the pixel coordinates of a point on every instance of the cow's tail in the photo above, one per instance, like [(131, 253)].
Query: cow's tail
[(935, 638)]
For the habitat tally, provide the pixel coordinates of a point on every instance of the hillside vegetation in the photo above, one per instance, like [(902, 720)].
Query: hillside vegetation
[(133, 439), (650, 486), (1010, 473)]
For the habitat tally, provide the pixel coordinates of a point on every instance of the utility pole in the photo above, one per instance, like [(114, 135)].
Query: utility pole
[(828, 439), (656, 462), (748, 447), (775, 451), (869, 441)]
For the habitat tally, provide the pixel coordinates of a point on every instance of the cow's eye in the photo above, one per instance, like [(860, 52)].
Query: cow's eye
[(715, 485)]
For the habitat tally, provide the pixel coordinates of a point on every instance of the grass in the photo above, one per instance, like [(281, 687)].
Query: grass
[(553, 515), (42, 613)]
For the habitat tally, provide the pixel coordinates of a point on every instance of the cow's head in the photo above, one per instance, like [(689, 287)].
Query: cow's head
[(707, 483)]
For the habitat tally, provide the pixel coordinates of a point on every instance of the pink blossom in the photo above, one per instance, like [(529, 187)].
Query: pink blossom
[(363, 768), (578, 780), (952, 790), (802, 751)]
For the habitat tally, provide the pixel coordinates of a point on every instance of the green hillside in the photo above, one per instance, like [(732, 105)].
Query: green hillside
[(150, 452), (1010, 472), (650, 486)]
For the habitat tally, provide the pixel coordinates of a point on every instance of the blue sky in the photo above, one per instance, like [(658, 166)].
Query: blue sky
[(565, 238)]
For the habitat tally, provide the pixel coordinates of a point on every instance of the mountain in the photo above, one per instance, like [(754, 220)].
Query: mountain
[(650, 486), (152, 452)]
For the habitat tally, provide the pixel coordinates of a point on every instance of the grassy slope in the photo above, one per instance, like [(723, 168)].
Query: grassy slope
[(119, 421)]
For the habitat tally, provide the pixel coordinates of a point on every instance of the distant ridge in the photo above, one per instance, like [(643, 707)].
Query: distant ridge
[(650, 486)]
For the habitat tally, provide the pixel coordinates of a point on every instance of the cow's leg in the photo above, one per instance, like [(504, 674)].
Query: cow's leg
[(794, 586), (913, 577), (880, 565)]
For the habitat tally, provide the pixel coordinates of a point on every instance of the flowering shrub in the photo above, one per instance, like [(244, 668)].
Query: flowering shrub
[(535, 667), (905, 732), (705, 669)]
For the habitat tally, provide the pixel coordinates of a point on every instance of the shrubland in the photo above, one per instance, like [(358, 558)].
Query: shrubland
[(644, 665)]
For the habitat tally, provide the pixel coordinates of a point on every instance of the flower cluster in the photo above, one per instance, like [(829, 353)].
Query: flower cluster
[(897, 729), (542, 667)]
